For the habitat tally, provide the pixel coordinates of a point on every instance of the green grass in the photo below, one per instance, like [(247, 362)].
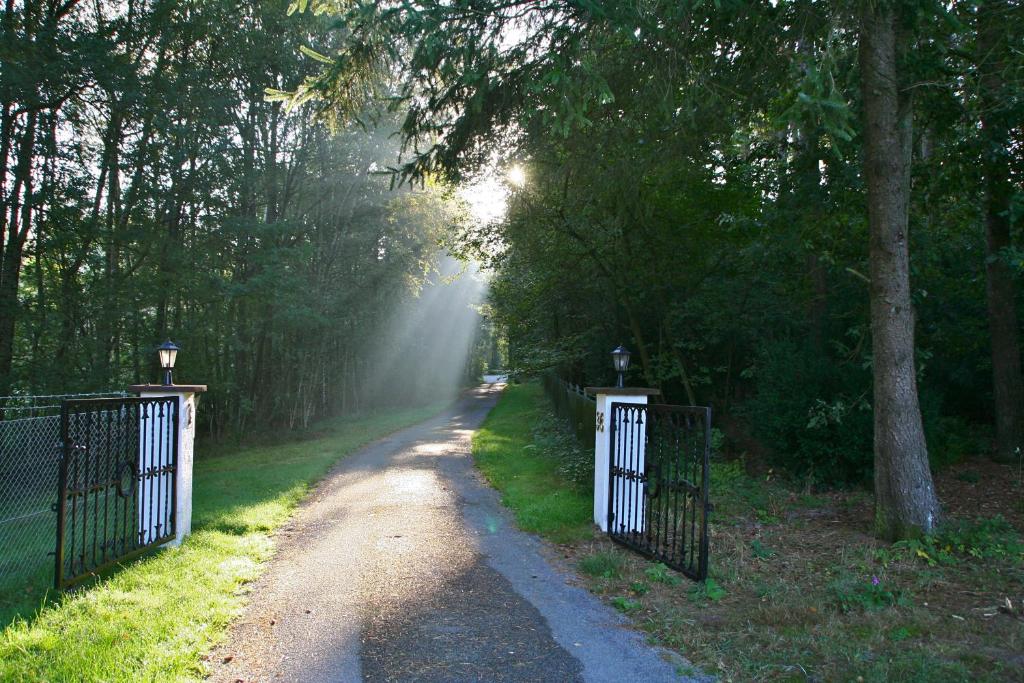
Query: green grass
[(26, 568), (154, 619), (798, 590), (543, 501), (602, 565)]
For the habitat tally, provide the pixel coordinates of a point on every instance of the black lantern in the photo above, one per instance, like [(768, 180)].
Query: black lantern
[(167, 352), (620, 358)]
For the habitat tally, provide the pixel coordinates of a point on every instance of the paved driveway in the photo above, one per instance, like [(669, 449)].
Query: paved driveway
[(403, 566)]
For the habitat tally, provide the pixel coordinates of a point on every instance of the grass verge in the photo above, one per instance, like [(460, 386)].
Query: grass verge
[(155, 618), (799, 589), (542, 499)]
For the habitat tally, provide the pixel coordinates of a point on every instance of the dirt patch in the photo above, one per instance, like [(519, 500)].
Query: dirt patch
[(983, 488)]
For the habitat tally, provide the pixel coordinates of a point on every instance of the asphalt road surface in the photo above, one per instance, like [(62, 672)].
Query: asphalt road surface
[(404, 566)]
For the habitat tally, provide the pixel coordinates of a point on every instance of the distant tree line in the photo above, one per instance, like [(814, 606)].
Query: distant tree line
[(803, 213), (148, 190)]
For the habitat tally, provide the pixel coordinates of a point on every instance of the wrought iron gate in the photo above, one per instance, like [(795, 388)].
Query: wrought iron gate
[(659, 480), (116, 492)]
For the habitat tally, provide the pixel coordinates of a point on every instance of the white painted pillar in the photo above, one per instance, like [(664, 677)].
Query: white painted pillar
[(603, 450), (187, 400)]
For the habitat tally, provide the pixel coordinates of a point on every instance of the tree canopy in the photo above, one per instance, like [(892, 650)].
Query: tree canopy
[(700, 179), (149, 190), (805, 214)]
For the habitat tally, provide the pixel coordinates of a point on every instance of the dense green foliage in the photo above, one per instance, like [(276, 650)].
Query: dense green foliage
[(695, 189), (154, 619), (149, 191), (803, 408)]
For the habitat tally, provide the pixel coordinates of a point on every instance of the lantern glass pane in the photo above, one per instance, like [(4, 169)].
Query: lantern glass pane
[(167, 357)]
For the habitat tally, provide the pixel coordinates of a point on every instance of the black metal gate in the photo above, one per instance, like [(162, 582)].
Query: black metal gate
[(658, 502), (116, 492)]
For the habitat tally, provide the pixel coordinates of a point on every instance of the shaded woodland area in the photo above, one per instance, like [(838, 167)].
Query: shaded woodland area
[(150, 191), (803, 213)]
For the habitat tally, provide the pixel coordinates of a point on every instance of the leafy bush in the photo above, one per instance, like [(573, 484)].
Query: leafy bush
[(708, 589), (717, 440), (812, 413), (624, 604), (660, 573), (867, 595), (951, 439), (982, 539), (554, 437), (760, 550)]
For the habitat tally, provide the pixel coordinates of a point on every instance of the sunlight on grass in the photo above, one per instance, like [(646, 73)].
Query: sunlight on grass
[(528, 479), (155, 618)]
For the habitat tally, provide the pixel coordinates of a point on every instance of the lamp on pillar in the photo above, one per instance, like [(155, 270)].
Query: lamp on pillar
[(175, 447), (620, 357), (168, 352), (622, 459)]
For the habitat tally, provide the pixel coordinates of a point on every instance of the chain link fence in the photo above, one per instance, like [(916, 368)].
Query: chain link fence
[(30, 449)]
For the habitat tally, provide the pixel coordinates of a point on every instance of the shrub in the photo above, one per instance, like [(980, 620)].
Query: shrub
[(554, 437), (951, 439), (867, 594), (624, 604), (981, 539), (660, 573), (812, 413), (814, 416), (706, 590)]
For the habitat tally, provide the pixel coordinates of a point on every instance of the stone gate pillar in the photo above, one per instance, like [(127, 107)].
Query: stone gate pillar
[(604, 450), (187, 401)]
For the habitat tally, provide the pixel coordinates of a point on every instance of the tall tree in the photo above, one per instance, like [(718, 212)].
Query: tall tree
[(905, 500), (714, 62), (151, 191), (992, 58)]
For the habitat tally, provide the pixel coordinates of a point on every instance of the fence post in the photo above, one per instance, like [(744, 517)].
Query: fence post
[(62, 487), (183, 440), (603, 447)]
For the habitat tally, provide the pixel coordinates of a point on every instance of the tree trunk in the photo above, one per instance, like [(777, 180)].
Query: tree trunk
[(905, 501), (17, 228), (638, 337), (1007, 384)]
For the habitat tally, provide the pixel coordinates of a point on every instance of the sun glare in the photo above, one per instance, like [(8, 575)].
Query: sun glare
[(517, 176), (488, 197)]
